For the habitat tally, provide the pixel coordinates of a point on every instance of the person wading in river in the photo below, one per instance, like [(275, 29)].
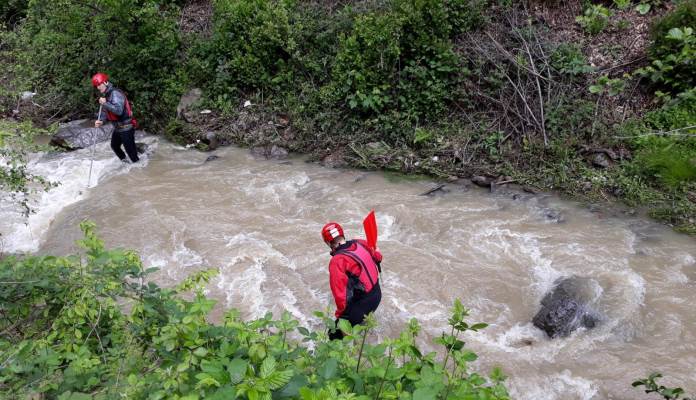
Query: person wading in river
[(353, 276), (116, 109)]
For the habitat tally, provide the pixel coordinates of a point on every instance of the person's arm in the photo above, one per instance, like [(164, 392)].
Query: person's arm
[(338, 280), (116, 103)]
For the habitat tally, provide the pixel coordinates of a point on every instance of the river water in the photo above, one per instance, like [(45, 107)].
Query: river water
[(258, 222)]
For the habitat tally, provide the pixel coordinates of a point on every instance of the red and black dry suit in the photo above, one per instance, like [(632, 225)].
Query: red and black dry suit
[(117, 110), (354, 279)]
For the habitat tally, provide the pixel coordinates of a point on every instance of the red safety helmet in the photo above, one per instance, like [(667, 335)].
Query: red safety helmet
[(331, 231), (99, 78)]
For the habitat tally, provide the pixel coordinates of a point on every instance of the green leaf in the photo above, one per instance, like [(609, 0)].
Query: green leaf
[(200, 352), (479, 326), (345, 326), (292, 388), (267, 367), (328, 369), (469, 356), (278, 379), (303, 330), (643, 8), (594, 89), (74, 396), (223, 393), (428, 393), (237, 369), (675, 33)]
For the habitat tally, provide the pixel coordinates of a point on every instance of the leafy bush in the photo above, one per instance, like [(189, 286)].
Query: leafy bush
[(594, 19), (675, 71), (11, 11), (249, 49), (16, 141), (567, 59), (683, 15), (400, 61), (665, 143), (671, 163), (66, 336), (63, 43), (674, 49)]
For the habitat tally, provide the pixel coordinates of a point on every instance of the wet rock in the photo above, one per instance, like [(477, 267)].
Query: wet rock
[(142, 148), (530, 189), (553, 215), (211, 140), (270, 152), (189, 98), (359, 178), (601, 160), (211, 158), (80, 134), (483, 181), (569, 306), (334, 160), (438, 189)]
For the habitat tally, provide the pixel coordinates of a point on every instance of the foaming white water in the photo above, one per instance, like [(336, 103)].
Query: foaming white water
[(243, 277), (562, 385), (76, 173)]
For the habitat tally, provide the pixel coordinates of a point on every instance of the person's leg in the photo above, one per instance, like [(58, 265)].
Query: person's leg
[(128, 139), (357, 310), (116, 145)]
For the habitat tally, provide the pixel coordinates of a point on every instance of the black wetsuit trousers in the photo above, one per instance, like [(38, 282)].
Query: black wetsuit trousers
[(357, 310), (127, 139)]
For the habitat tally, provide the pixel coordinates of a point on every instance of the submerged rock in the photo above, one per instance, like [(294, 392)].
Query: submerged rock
[(568, 307), (482, 181), (270, 152), (80, 134), (438, 189), (142, 147)]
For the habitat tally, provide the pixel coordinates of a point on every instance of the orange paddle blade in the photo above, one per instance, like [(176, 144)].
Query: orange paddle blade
[(370, 226)]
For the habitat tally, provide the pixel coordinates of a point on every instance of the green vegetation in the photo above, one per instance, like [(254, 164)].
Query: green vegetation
[(651, 386), (89, 326), (443, 88), (594, 19), (16, 142)]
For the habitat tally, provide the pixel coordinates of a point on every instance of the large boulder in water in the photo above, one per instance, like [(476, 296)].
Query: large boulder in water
[(569, 306), (80, 134)]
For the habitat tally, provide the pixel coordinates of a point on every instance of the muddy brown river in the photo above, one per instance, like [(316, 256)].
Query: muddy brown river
[(258, 222)]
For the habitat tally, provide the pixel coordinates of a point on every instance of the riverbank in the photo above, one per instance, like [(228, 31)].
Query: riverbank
[(592, 101), (570, 173)]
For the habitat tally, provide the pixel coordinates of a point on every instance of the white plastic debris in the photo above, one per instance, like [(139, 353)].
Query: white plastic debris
[(27, 95), (247, 104)]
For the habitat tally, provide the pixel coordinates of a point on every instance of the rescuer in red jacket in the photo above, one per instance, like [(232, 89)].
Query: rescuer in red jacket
[(353, 276)]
